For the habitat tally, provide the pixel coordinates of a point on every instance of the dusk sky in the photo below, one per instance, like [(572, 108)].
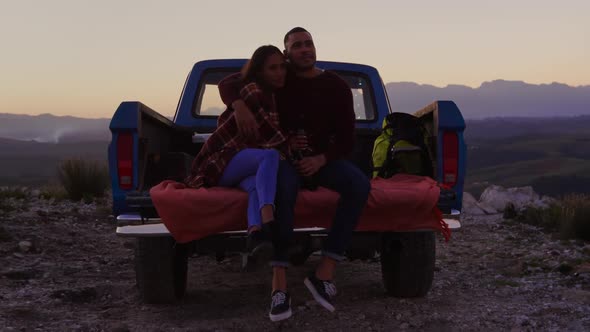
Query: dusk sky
[(83, 58)]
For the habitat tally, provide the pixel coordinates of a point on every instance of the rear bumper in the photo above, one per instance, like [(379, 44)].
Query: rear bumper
[(132, 225), (453, 220)]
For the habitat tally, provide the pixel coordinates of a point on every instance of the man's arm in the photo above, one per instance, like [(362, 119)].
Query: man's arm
[(343, 141), (229, 91)]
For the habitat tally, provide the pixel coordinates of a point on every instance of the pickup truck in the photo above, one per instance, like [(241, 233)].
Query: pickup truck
[(147, 148)]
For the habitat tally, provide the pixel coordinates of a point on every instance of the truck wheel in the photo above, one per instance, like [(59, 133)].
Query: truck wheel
[(160, 269), (407, 263)]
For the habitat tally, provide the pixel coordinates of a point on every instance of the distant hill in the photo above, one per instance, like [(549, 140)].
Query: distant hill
[(507, 127), (517, 134), (51, 128), (552, 164), (498, 98), (492, 100), (35, 163)]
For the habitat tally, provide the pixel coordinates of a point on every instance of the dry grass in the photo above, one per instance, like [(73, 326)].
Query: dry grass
[(570, 217), (84, 179)]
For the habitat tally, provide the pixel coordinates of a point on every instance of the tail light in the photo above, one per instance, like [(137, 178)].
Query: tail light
[(125, 160), (450, 154)]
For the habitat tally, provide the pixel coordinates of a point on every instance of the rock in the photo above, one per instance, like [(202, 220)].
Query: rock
[(120, 328), (416, 321), (514, 270), (576, 295), (24, 274), (522, 320), (583, 268), (497, 197), (565, 268), (4, 235), (486, 208), (25, 246), (470, 205), (80, 295)]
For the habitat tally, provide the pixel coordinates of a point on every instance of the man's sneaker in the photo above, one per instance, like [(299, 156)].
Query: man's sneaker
[(322, 291), (280, 306)]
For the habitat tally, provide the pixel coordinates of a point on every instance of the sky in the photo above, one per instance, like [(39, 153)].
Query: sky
[(83, 58)]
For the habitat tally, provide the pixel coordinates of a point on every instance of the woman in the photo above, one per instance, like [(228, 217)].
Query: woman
[(228, 159)]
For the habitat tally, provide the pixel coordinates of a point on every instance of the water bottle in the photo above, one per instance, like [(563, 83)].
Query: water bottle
[(308, 181)]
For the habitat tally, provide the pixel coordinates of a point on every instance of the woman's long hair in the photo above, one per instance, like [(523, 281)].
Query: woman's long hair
[(253, 68)]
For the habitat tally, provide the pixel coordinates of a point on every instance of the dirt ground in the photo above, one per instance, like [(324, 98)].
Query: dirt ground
[(63, 269)]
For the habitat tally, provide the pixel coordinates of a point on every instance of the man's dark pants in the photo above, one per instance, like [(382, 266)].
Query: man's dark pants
[(340, 176)]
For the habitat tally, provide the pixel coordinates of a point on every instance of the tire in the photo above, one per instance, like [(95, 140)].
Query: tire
[(407, 263), (160, 269)]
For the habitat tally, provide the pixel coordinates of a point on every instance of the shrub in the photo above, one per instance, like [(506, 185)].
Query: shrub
[(16, 193), (83, 178), (547, 218), (5, 205), (575, 221), (569, 216), (510, 211), (53, 191)]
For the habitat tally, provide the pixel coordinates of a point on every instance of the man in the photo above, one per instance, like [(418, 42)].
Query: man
[(320, 103)]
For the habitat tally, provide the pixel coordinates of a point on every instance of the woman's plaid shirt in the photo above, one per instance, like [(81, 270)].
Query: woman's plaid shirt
[(226, 142)]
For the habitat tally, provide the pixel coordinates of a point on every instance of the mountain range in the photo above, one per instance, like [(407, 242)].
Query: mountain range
[(498, 98), (492, 101), (49, 128)]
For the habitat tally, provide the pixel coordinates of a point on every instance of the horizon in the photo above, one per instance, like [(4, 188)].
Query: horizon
[(390, 97), (82, 59)]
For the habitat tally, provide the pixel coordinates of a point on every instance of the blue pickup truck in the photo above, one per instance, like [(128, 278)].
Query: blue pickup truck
[(147, 148)]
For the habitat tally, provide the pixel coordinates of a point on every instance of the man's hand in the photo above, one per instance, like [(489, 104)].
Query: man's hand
[(298, 142), (245, 120), (310, 165)]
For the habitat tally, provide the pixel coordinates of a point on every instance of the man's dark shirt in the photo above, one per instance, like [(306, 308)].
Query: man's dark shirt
[(321, 105)]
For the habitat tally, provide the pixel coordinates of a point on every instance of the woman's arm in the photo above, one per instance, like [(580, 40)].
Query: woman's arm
[(229, 91), (269, 130)]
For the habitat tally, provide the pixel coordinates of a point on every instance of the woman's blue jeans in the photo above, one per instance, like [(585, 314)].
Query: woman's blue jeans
[(254, 171)]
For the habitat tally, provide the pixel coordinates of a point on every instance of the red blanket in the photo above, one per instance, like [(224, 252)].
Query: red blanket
[(402, 203)]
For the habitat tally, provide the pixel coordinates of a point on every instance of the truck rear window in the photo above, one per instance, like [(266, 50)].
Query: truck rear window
[(210, 104)]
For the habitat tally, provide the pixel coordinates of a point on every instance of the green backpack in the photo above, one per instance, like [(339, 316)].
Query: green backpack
[(400, 148)]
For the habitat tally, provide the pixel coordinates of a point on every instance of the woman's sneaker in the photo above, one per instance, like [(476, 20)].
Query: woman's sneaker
[(280, 306), (322, 291)]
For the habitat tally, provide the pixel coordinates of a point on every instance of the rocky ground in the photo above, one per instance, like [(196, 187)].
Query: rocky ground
[(62, 268)]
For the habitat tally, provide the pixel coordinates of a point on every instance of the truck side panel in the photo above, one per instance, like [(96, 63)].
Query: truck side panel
[(124, 121), (450, 121)]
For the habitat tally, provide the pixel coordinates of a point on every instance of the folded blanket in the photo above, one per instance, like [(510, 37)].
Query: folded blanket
[(401, 203)]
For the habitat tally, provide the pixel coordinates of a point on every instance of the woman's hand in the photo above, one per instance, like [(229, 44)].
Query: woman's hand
[(310, 165), (245, 120)]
